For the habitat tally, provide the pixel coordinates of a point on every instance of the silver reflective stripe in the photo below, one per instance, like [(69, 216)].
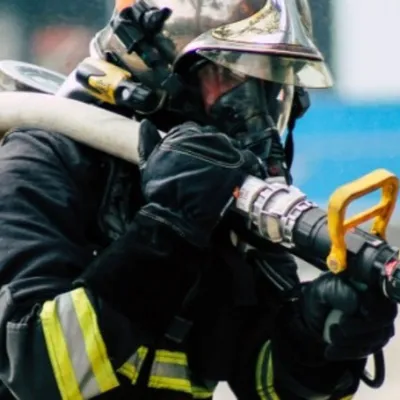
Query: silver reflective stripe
[(131, 368), (76, 347), (170, 372)]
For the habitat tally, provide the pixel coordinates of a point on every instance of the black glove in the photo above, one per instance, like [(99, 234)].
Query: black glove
[(189, 177), (313, 351), (362, 323), (330, 320)]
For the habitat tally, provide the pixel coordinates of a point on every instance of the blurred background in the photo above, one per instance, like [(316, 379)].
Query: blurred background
[(349, 131)]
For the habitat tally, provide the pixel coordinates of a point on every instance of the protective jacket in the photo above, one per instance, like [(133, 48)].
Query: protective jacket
[(188, 320)]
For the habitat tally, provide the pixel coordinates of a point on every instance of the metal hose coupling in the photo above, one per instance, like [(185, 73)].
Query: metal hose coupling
[(272, 208)]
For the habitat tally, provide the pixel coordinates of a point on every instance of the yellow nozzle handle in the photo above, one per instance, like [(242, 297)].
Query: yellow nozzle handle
[(338, 226)]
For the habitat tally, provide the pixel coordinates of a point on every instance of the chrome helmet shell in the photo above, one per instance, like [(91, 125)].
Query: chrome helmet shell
[(266, 39)]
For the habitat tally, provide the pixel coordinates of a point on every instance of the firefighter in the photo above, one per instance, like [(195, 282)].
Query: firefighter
[(121, 282)]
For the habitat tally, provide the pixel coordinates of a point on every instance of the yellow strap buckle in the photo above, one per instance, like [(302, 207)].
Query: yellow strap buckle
[(338, 226)]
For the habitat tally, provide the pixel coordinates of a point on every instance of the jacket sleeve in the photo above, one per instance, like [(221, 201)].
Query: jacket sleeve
[(276, 369), (278, 359), (59, 339), (285, 379)]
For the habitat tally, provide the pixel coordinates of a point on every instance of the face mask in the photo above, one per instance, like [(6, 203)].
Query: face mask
[(246, 109)]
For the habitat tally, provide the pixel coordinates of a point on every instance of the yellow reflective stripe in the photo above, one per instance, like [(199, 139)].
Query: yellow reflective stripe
[(202, 389), (201, 393), (95, 347), (270, 379), (176, 384), (129, 371), (265, 375), (58, 353), (170, 372), (76, 348), (347, 397), (171, 357), (131, 368), (259, 369)]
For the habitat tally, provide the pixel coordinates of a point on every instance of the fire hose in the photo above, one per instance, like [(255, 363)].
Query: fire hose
[(275, 211)]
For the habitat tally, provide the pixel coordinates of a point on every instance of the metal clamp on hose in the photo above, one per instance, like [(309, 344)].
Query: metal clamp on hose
[(273, 207), (339, 201)]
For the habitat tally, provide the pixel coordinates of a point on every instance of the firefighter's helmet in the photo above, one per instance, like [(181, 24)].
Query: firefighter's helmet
[(267, 39)]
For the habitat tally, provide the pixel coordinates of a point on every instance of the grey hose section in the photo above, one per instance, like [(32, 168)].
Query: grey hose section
[(84, 123)]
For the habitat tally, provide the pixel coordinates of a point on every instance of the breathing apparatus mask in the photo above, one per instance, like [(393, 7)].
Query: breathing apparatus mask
[(253, 112)]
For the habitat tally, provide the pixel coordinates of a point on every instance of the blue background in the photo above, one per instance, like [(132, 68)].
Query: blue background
[(336, 142)]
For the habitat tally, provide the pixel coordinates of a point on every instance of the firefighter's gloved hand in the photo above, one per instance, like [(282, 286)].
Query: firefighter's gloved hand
[(353, 323), (189, 177), (322, 355), (363, 321)]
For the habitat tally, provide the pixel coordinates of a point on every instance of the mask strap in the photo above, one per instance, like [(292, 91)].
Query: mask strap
[(301, 104)]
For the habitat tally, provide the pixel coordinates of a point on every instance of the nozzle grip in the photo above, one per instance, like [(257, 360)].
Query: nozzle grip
[(338, 226)]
